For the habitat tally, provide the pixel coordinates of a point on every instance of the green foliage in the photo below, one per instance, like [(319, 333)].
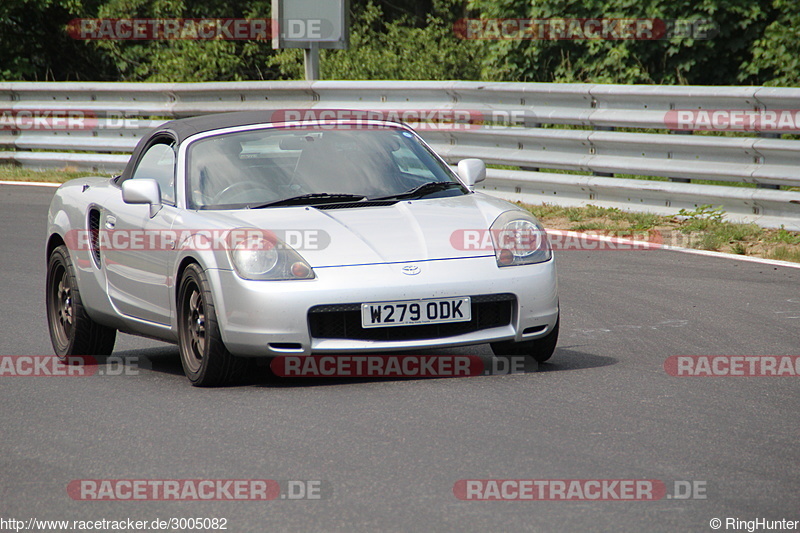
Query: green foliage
[(758, 43), (776, 53), (739, 248), (643, 221), (187, 60), (597, 226), (785, 236), (739, 232), (715, 61), (36, 47), (704, 212), (785, 253), (13, 173), (712, 232), (701, 218), (708, 241)]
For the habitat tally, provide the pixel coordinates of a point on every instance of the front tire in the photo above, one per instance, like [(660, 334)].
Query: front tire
[(205, 359), (539, 349), (72, 331)]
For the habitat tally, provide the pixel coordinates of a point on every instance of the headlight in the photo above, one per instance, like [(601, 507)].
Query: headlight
[(519, 239), (259, 255)]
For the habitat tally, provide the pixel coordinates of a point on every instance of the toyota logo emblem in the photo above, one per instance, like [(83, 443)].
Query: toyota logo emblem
[(410, 270)]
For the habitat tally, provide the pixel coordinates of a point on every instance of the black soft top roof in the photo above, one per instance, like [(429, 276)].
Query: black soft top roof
[(182, 128), (186, 127)]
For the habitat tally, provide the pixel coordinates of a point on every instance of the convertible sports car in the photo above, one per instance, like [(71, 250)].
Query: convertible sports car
[(238, 237)]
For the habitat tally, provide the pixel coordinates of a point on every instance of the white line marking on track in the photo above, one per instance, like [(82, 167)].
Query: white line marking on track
[(32, 183)]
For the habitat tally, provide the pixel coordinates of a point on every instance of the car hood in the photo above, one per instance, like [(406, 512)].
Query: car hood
[(408, 231)]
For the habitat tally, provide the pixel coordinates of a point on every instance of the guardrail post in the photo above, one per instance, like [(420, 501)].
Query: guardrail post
[(528, 125), (768, 135), (604, 174), (681, 180)]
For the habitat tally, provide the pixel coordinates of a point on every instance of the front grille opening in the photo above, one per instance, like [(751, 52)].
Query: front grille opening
[(343, 321), (94, 235), (534, 329), (286, 346)]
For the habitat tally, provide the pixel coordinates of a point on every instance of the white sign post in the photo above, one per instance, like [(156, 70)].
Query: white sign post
[(311, 25)]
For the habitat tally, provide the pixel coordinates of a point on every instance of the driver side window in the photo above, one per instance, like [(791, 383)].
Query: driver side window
[(158, 163)]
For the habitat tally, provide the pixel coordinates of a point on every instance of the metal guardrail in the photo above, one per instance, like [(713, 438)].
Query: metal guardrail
[(566, 127)]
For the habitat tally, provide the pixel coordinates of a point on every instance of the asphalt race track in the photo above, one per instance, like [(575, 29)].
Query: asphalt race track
[(388, 452)]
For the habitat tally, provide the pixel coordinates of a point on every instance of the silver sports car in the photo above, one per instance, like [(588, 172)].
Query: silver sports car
[(238, 237)]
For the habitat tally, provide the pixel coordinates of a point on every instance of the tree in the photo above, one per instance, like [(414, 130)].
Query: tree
[(36, 46), (776, 53), (182, 60), (715, 61), (758, 43)]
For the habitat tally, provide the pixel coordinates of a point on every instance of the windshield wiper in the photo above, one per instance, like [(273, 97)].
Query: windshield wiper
[(422, 190), (313, 198)]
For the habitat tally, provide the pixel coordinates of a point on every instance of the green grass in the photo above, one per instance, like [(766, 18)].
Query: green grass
[(594, 226), (643, 221), (784, 253), (12, 173), (785, 237), (729, 232), (707, 241), (635, 221), (705, 228), (739, 249), (551, 211), (503, 167), (714, 232)]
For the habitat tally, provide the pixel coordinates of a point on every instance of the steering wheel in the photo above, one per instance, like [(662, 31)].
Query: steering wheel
[(239, 184)]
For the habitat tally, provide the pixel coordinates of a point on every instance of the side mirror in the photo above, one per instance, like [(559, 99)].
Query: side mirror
[(142, 191), (472, 171)]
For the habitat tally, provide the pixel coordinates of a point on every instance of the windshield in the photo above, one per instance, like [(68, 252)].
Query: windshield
[(259, 168)]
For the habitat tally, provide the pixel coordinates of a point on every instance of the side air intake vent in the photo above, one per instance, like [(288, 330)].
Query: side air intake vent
[(94, 235)]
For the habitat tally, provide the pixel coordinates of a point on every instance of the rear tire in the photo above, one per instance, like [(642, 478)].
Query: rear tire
[(539, 349), (72, 331), (205, 359)]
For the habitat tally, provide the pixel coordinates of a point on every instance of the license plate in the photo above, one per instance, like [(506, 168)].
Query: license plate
[(405, 313)]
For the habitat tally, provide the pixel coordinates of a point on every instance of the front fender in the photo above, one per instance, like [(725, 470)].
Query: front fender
[(196, 248)]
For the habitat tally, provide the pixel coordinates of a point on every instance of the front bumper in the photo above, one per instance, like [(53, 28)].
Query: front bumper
[(268, 318)]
